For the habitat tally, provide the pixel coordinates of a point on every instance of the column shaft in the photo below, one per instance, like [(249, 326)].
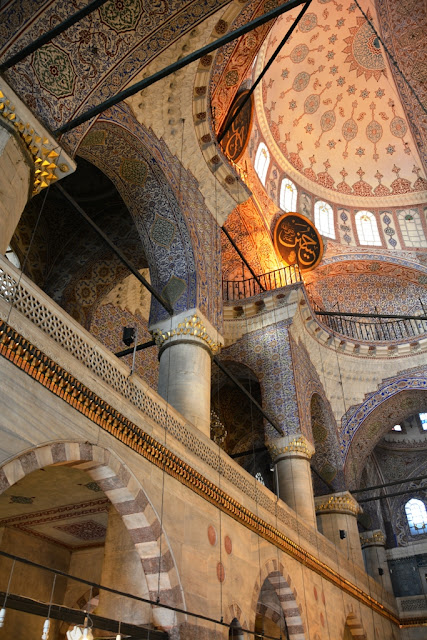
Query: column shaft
[(185, 381)]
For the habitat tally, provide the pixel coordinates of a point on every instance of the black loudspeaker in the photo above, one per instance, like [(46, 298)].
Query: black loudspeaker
[(128, 335), (343, 534), (380, 571)]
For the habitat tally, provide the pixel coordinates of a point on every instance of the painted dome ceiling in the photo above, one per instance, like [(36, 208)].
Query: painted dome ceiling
[(329, 109)]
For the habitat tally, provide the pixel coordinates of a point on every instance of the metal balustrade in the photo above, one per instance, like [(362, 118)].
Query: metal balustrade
[(372, 327), (241, 289)]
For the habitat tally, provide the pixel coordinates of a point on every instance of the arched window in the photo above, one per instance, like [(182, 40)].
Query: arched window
[(367, 228), (262, 160), (416, 514), (411, 228), (324, 219), (288, 195)]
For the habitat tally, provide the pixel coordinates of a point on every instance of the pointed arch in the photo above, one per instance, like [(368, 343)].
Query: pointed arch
[(274, 572), (130, 500), (367, 229)]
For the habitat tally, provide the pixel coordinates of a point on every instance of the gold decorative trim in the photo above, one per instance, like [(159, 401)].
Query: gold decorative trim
[(290, 444), (372, 538), (191, 326), (40, 367), (338, 503), (40, 147)]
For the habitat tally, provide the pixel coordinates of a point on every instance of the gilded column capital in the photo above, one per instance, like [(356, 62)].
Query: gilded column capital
[(341, 502), (295, 445), (374, 538), (50, 160), (187, 326)]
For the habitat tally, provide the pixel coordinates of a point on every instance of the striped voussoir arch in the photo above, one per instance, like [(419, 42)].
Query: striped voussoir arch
[(274, 572), (355, 627), (128, 497)]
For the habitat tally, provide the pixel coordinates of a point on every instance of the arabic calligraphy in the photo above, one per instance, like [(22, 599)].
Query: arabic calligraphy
[(237, 133), (297, 241)]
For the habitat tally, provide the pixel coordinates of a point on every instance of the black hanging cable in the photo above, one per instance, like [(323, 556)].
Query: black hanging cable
[(179, 64), (50, 35), (266, 68)]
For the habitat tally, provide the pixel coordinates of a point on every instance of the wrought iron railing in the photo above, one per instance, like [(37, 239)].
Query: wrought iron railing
[(372, 327), (240, 289)]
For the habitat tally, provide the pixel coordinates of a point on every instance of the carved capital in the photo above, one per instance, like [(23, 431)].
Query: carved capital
[(372, 538), (342, 502), (189, 325), (295, 445)]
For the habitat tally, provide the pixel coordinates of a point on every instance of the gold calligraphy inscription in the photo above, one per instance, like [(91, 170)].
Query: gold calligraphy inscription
[(297, 241), (238, 130)]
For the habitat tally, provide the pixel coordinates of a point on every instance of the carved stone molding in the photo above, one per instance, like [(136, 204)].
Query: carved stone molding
[(372, 538), (290, 446), (342, 502)]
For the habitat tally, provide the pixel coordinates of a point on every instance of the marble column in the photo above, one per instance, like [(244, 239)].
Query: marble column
[(291, 455), (186, 345), (373, 547), (30, 160), (337, 513)]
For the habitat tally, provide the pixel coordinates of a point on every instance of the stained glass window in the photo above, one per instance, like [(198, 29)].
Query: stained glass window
[(288, 195), (367, 228), (324, 219), (416, 514), (411, 228), (262, 160)]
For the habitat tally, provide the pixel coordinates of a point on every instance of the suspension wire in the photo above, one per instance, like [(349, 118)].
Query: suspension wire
[(276, 52), (253, 432), (392, 58), (27, 254), (8, 583), (169, 364), (179, 64), (124, 593), (337, 557), (291, 460), (51, 34)]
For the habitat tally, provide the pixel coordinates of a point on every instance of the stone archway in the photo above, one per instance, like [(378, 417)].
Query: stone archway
[(273, 574), (363, 426), (130, 500)]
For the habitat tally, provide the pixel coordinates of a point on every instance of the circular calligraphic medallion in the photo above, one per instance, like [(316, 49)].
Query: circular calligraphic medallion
[(297, 241), (237, 131)]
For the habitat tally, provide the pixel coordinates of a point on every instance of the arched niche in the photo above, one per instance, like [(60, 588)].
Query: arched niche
[(275, 604), (133, 512), (236, 424)]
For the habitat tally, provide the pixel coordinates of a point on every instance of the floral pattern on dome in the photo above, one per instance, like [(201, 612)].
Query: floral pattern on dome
[(328, 110)]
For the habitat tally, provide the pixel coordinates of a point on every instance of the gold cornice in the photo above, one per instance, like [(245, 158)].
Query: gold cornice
[(190, 326), (372, 538), (338, 503), (288, 445), (48, 373)]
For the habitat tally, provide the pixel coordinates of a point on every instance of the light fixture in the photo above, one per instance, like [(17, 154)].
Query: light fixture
[(2, 616), (46, 628), (75, 633)]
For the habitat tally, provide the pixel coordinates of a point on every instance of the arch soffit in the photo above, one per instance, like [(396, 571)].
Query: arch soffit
[(158, 218), (274, 571), (130, 500), (356, 263), (364, 426), (179, 235)]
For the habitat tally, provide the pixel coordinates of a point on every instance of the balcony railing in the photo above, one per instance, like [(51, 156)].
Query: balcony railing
[(372, 327), (240, 289)]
